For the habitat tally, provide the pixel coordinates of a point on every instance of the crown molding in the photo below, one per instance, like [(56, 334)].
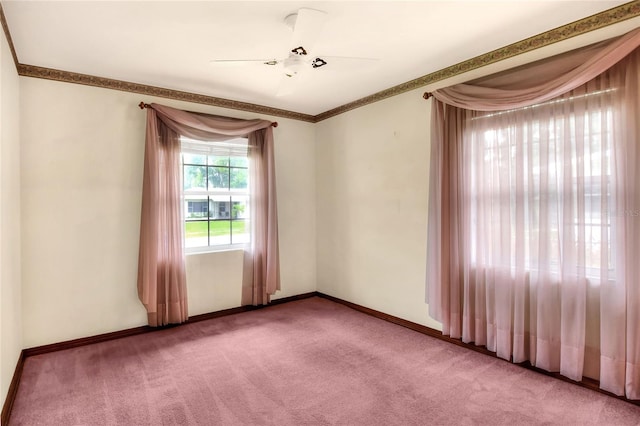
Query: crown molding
[(600, 20), (125, 86), (603, 19), (7, 34)]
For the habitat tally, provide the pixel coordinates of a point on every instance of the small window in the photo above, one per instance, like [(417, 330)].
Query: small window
[(216, 194)]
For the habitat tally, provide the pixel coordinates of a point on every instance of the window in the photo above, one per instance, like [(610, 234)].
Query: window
[(216, 194), (543, 182)]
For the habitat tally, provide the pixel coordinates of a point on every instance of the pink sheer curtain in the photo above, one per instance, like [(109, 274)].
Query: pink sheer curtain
[(534, 214), (262, 276), (161, 274), (161, 262)]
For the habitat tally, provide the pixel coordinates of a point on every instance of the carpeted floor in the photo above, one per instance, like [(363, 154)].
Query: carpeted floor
[(309, 362)]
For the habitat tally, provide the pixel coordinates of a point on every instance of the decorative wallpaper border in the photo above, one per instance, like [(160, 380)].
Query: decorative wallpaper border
[(5, 28), (582, 26), (108, 83), (603, 19)]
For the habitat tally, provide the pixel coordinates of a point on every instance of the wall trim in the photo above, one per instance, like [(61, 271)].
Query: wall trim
[(423, 329), (83, 341), (13, 390), (240, 309), (600, 20)]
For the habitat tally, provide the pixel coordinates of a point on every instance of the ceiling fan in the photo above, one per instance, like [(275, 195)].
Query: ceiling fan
[(307, 26)]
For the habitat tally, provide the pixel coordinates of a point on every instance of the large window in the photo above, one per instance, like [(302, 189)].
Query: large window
[(216, 194), (542, 182)]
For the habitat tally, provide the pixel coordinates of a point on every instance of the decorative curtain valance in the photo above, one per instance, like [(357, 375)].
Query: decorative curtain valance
[(541, 81), (161, 262), (206, 127)]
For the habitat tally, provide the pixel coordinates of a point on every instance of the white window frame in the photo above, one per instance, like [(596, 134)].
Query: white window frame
[(592, 272), (237, 147)]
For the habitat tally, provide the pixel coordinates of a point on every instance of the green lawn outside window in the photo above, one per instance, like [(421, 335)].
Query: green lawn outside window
[(218, 228)]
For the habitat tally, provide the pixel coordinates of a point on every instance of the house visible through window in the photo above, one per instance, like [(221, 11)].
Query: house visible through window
[(216, 194)]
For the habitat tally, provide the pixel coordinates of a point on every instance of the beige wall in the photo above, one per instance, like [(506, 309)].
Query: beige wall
[(372, 184), (10, 306), (82, 150)]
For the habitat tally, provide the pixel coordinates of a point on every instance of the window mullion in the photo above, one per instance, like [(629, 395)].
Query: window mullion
[(208, 220)]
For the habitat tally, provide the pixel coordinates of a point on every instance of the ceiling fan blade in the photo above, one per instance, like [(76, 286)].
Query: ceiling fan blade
[(232, 62), (307, 28)]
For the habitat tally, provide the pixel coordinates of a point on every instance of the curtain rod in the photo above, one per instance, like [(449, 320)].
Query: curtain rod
[(143, 105), (427, 95)]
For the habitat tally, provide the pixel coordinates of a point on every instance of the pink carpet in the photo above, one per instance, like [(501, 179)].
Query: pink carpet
[(309, 362)]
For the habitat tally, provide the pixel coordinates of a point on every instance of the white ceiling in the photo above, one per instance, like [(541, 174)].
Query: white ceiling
[(170, 43)]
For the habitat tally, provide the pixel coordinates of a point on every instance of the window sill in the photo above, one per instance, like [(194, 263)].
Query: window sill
[(219, 249)]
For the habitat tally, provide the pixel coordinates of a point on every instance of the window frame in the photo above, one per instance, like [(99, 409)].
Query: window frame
[(208, 195), (592, 272)]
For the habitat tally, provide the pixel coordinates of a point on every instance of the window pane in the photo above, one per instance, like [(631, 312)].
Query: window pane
[(239, 162), (240, 216), (239, 208), (194, 159), (196, 207), (240, 231), (220, 232), (238, 178), (195, 178), (219, 207), (218, 177), (214, 160), (196, 233)]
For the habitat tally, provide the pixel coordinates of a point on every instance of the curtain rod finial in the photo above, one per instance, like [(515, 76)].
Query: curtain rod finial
[(427, 95), (142, 105), (274, 124)]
